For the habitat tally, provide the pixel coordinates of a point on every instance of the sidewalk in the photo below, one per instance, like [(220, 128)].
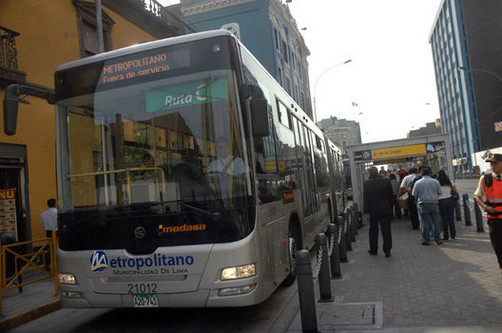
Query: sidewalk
[(36, 300), (453, 287)]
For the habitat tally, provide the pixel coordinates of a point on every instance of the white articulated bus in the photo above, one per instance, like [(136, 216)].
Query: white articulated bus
[(187, 177)]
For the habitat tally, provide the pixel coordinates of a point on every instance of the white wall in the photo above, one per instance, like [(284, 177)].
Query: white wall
[(483, 166)]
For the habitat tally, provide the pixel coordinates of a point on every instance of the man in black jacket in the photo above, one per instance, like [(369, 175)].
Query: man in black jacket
[(378, 198)]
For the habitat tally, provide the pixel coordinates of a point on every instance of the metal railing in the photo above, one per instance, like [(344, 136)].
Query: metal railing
[(8, 51), (18, 260)]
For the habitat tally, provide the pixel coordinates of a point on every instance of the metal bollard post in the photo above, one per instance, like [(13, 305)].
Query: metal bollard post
[(458, 212), (479, 217), (467, 213), (347, 226), (324, 280), (306, 291), (355, 222), (334, 258), (359, 220), (342, 245)]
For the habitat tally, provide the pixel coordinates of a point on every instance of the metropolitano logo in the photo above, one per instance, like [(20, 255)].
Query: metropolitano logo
[(99, 261)]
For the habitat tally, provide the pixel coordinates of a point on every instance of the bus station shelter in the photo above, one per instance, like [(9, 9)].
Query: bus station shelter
[(432, 150)]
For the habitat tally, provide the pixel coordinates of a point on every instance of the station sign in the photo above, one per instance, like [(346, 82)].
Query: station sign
[(399, 151)]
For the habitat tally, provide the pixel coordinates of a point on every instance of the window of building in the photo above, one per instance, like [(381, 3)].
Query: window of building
[(288, 85), (285, 52), (87, 26), (276, 35)]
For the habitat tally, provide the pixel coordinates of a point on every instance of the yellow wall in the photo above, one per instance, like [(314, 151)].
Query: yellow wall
[(48, 38)]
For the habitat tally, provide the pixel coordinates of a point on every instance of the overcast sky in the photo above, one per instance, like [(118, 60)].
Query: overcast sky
[(391, 76)]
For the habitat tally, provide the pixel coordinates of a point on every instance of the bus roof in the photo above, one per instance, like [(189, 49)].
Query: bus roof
[(144, 47)]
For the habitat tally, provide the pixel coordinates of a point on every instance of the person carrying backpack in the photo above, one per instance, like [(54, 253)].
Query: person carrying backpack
[(490, 186)]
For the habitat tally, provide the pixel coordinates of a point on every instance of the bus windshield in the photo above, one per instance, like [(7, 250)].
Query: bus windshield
[(171, 148)]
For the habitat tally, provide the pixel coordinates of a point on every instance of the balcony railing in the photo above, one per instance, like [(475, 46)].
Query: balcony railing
[(9, 72), (8, 50)]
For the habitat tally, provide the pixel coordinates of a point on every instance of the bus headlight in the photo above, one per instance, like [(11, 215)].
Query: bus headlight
[(67, 278), (238, 272)]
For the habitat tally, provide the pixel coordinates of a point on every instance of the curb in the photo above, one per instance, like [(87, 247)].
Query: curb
[(30, 314)]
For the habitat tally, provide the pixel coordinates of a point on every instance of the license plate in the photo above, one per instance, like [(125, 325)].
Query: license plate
[(145, 301)]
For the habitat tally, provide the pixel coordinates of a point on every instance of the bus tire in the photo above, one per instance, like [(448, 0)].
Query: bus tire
[(293, 247)]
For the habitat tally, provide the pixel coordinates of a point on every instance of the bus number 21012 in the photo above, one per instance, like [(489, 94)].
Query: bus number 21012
[(141, 288)]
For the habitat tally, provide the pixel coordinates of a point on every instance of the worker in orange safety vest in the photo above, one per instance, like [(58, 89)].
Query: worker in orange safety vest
[(490, 186)]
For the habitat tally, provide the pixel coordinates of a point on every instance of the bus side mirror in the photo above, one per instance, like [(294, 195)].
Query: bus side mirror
[(259, 116), (259, 111)]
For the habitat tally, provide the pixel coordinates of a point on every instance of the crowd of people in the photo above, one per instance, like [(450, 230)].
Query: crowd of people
[(429, 200)]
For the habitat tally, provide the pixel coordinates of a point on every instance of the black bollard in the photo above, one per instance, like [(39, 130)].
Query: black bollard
[(324, 280), (479, 217), (359, 220), (334, 258), (342, 246), (306, 291), (347, 227), (355, 222), (467, 213), (458, 211)]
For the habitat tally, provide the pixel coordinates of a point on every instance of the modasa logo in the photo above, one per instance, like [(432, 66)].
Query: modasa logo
[(164, 229), (99, 261)]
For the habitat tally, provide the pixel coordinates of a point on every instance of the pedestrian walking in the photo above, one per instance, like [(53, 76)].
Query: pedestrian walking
[(49, 221), (447, 205), (427, 191), (377, 203), (49, 218), (490, 186)]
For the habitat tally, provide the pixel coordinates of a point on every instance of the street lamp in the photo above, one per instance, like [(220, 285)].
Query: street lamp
[(317, 80), (462, 68)]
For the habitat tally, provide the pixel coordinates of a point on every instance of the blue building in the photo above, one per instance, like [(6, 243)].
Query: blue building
[(466, 48), (268, 30)]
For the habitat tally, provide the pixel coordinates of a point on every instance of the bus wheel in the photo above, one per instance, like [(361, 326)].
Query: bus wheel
[(292, 248)]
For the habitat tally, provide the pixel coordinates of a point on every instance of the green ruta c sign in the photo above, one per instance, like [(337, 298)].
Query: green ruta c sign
[(185, 95)]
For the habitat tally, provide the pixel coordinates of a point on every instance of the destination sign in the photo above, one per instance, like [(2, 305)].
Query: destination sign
[(203, 91), (142, 65)]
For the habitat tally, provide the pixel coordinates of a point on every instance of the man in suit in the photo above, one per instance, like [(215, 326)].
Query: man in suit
[(378, 197)]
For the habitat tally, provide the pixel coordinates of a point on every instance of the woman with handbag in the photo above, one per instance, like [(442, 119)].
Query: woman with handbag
[(447, 205)]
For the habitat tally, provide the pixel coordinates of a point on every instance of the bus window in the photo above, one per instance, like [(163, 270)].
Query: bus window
[(286, 152), (266, 167)]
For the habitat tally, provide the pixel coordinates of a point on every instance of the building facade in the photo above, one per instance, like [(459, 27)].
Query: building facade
[(431, 128), (36, 39), (341, 131), (268, 30), (465, 42)]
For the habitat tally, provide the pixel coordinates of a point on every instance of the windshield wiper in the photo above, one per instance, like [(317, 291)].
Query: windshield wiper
[(215, 215)]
